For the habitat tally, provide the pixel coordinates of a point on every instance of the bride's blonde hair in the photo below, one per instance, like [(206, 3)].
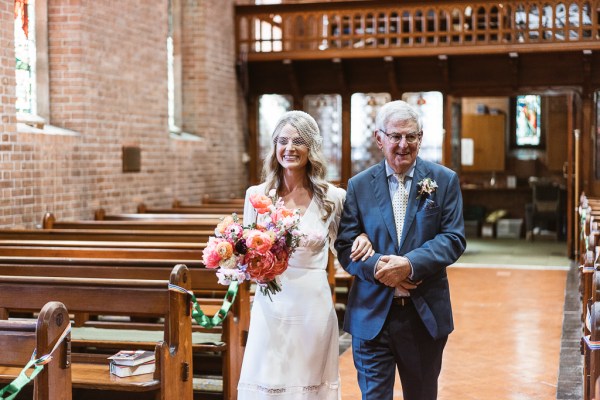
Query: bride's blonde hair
[(316, 169)]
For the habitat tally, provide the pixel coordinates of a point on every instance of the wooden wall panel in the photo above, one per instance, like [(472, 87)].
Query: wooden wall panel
[(488, 134)]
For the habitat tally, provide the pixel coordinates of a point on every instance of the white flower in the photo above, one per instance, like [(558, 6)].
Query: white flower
[(426, 187), (229, 263)]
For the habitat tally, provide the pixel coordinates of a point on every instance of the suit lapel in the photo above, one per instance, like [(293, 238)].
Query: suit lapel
[(381, 191), (421, 171)]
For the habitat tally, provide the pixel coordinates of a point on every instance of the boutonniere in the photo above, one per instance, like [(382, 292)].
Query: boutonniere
[(426, 187)]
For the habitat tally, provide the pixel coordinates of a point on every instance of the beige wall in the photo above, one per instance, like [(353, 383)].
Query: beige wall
[(107, 63)]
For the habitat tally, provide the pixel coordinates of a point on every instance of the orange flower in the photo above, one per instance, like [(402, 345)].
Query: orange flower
[(224, 224), (224, 250), (281, 213), (260, 202), (281, 263)]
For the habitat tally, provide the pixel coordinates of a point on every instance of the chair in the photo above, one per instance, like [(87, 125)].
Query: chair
[(543, 213)]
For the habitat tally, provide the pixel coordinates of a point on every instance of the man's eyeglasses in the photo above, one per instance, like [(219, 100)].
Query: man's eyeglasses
[(296, 142), (395, 138)]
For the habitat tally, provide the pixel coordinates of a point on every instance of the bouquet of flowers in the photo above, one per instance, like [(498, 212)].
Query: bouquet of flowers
[(259, 251)]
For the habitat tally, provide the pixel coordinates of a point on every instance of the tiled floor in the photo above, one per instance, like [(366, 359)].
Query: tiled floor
[(507, 337)]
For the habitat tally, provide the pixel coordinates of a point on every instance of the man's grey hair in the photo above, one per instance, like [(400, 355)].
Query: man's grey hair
[(397, 110)]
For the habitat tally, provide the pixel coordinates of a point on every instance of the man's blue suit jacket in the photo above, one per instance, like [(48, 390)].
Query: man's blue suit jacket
[(432, 238)]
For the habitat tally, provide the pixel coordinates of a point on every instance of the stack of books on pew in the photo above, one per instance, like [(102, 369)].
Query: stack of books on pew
[(132, 362)]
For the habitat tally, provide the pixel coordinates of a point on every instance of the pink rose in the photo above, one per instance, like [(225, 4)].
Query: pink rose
[(233, 232), (210, 255), (258, 241), (259, 266)]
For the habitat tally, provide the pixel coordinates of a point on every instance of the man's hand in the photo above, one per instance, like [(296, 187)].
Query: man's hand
[(406, 285), (393, 270)]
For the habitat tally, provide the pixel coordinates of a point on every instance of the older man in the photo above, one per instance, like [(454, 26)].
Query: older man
[(398, 311)]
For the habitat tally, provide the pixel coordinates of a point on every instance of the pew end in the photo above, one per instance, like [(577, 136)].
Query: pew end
[(18, 339)]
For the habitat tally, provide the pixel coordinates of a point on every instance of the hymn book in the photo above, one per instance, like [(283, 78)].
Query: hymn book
[(123, 371), (132, 357)]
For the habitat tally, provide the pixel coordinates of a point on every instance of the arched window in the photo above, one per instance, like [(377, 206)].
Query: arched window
[(174, 95), (25, 56), (270, 108), (431, 107), (31, 64)]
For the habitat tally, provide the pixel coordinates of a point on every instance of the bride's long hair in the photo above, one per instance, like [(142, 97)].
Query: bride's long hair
[(316, 169)]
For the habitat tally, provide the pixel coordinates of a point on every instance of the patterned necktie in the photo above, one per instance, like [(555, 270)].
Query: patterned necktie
[(399, 203)]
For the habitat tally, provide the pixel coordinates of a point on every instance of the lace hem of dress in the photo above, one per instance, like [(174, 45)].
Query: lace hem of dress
[(292, 389)]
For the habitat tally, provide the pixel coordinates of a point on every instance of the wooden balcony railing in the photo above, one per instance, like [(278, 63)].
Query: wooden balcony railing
[(355, 29)]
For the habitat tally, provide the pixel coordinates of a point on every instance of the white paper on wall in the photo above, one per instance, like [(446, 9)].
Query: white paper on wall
[(466, 151)]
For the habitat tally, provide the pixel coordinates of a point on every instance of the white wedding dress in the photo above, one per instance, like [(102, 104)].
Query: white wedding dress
[(292, 348)]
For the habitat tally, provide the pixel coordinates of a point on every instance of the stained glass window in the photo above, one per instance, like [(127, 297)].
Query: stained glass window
[(25, 56), (327, 111), (528, 120), (174, 85), (430, 105), (364, 108), (270, 108)]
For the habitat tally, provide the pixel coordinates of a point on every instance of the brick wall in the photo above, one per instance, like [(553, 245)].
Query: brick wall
[(11, 200), (212, 104), (107, 62)]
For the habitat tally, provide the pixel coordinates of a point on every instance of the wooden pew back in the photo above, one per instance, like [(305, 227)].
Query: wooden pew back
[(235, 201), (222, 209), (94, 251), (206, 224), (204, 284), (125, 297), (118, 235), (18, 339)]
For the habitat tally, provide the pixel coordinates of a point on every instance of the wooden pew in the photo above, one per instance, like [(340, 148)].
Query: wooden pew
[(586, 279), (118, 235), (172, 379), (591, 364), (233, 201), (100, 215), (18, 339), (195, 246), (204, 284), (50, 222), (223, 210), (89, 250)]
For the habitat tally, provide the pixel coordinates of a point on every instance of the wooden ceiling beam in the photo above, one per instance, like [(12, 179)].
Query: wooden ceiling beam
[(587, 72), (513, 61), (292, 75), (392, 76), (443, 63), (338, 67)]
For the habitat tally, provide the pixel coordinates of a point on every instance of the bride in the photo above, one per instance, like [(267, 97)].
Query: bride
[(292, 348)]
